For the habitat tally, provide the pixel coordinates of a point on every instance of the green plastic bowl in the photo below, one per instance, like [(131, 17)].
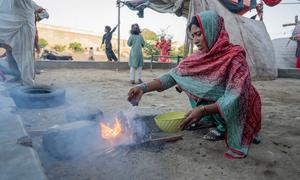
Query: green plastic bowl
[(170, 122)]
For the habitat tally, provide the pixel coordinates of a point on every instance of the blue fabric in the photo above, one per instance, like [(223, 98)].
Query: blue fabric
[(168, 81), (211, 27), (198, 87), (137, 5), (236, 8), (136, 42)]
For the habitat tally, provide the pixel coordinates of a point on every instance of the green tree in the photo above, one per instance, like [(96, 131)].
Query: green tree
[(76, 47), (149, 35), (177, 52), (150, 49), (43, 43), (181, 50), (59, 47)]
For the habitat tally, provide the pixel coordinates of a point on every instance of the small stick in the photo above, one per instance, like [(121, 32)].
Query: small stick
[(166, 139)]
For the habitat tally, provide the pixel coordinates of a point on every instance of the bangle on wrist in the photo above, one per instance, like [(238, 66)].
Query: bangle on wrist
[(143, 87), (205, 112)]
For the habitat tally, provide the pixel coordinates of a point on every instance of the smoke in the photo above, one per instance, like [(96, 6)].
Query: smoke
[(83, 112), (83, 138), (78, 133)]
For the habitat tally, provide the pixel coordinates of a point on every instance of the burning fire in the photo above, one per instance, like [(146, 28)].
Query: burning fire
[(110, 133)]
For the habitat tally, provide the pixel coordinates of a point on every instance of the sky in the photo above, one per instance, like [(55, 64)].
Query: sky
[(93, 15)]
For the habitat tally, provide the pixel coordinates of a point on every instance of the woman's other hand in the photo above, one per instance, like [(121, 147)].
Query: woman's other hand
[(193, 116), (134, 95)]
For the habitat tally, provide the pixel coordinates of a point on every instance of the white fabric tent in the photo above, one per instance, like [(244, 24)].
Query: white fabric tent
[(250, 34)]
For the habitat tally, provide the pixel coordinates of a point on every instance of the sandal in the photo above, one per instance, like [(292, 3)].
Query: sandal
[(199, 125), (140, 81), (214, 135)]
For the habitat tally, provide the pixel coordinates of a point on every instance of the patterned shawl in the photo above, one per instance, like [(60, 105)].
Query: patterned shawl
[(222, 76)]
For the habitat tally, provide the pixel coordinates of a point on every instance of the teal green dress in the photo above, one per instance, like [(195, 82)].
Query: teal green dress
[(136, 42)]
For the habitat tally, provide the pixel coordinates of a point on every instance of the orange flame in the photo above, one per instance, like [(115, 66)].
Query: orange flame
[(110, 133)]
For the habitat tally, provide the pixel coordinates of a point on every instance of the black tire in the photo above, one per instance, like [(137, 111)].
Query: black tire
[(38, 96)]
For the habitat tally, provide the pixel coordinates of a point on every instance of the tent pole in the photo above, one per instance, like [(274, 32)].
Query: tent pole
[(119, 27)]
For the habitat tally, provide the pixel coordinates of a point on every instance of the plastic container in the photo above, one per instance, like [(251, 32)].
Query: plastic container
[(170, 121)]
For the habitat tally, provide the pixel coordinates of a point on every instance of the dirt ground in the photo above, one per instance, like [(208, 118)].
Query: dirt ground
[(277, 157)]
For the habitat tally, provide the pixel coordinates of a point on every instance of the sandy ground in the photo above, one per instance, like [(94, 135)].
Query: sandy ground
[(277, 157)]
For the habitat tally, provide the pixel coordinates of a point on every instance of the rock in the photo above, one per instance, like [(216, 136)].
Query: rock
[(72, 140), (143, 118), (80, 138), (25, 141), (17, 161)]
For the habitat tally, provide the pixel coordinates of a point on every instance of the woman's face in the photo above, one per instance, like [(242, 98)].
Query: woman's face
[(198, 39)]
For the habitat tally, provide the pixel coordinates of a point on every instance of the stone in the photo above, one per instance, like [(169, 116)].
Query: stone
[(25, 141), (16, 161), (72, 140), (80, 138), (6, 102), (143, 118)]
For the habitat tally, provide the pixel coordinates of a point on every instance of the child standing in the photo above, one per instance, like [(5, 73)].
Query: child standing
[(136, 61), (107, 40), (91, 54)]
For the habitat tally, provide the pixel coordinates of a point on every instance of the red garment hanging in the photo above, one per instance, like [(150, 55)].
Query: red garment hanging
[(272, 2)]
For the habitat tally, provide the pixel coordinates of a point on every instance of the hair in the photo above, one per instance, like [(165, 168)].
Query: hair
[(194, 21), (108, 28), (135, 29)]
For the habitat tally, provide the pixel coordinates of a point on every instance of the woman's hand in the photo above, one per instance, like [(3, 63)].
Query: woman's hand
[(193, 116), (134, 95)]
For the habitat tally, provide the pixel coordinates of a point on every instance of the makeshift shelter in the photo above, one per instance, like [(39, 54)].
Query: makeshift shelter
[(285, 52), (249, 33), (296, 31)]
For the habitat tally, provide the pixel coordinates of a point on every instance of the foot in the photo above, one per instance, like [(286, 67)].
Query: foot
[(214, 135), (140, 81), (132, 82)]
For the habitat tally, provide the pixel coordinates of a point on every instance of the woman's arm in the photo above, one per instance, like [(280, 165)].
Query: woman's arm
[(103, 38), (210, 109), (129, 42), (143, 41), (112, 31), (198, 112), (135, 94), (164, 82)]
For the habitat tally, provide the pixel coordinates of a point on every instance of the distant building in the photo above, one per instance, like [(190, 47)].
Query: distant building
[(56, 35)]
